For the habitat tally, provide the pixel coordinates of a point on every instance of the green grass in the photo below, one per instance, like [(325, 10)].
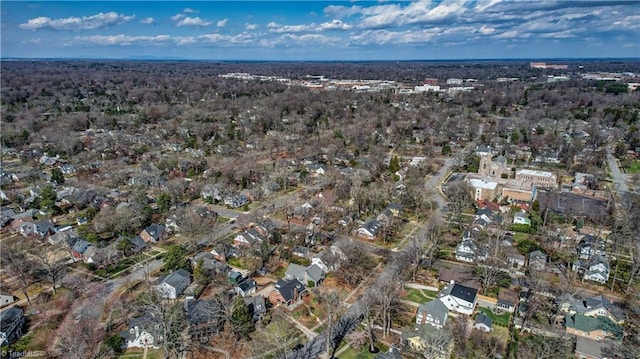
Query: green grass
[(351, 353), (631, 167), (501, 320), (420, 295)]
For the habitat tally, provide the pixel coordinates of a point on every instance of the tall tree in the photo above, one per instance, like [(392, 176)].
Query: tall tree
[(170, 318), (56, 176), (241, 320), (49, 269), (18, 264)]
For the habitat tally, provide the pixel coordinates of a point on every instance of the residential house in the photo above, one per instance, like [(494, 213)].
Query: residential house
[(537, 260), (235, 277), (143, 332), (459, 298), (6, 299), (316, 169), (93, 255), (288, 293), (210, 263), (257, 306), (483, 322), (589, 246), (62, 236), (236, 201), (246, 288), (315, 275), (221, 252), (79, 247), (434, 313), (369, 230), (507, 301), (483, 150), (597, 328), (312, 274), (154, 233), (249, 238), (521, 218), (515, 259), (329, 259), (595, 306), (302, 252), (38, 229), (587, 348), (487, 215), (204, 317), (172, 285), (596, 269), (11, 325), (137, 244), (468, 251)]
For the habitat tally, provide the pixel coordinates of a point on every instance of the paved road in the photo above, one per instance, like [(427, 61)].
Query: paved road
[(619, 178)]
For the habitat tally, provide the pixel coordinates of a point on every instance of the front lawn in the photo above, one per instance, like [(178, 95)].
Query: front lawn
[(631, 167), (420, 295), (501, 320)]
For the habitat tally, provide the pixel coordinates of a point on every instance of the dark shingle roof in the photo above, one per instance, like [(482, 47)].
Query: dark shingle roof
[(484, 319), (203, 311), (460, 291)]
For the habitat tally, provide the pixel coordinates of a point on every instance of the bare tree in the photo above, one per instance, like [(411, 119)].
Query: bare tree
[(436, 342), (357, 265), (169, 316), (537, 346), (459, 194), (422, 248), (332, 304), (18, 264), (81, 333), (50, 269), (278, 341), (386, 290)]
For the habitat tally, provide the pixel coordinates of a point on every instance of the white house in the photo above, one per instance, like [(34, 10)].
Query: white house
[(597, 269), (459, 298), (143, 332), (171, 286), (521, 218), (6, 298), (483, 322), (434, 313), (468, 251)]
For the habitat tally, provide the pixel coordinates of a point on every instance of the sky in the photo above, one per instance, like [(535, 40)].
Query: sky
[(321, 30)]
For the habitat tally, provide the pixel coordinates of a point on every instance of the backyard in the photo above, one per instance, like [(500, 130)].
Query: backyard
[(498, 319)]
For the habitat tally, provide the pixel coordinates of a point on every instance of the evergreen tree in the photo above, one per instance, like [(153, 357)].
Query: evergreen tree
[(175, 259), (241, 320), (56, 176)]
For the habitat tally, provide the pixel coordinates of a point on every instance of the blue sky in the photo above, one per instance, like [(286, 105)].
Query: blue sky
[(321, 30)]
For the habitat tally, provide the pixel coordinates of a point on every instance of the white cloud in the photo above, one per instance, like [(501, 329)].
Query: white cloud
[(147, 21), (486, 30), (177, 17), (381, 37), (121, 39), (183, 20), (251, 26), (334, 25), (312, 27), (98, 21), (339, 11), (222, 23), (188, 10)]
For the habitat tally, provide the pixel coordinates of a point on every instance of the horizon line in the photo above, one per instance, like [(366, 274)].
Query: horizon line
[(154, 58)]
